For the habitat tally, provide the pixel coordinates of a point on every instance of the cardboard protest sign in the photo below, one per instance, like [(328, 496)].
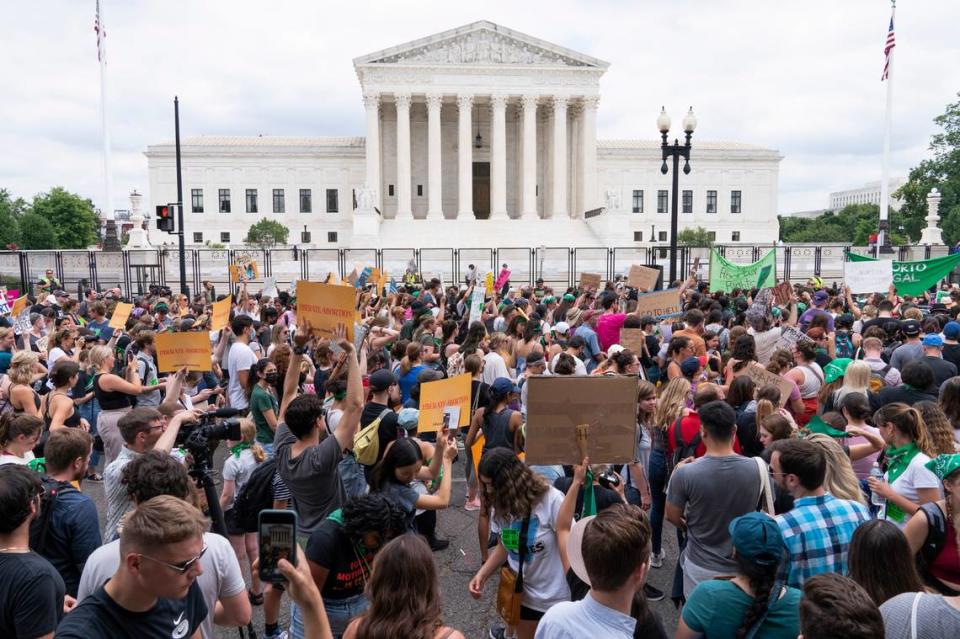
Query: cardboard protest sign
[(244, 270), (476, 452), (325, 306), (643, 278), (176, 350), (42, 343), (782, 293), (121, 313), (632, 339), (438, 396), (488, 283), (868, 277), (352, 277), (11, 295), (790, 335), (220, 315), (660, 304), (590, 280), (761, 377), (558, 405), (18, 306)]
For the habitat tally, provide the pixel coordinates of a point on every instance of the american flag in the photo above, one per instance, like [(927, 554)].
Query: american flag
[(887, 50), (101, 33)]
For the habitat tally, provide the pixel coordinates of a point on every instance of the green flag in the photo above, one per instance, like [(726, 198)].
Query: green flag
[(726, 276), (913, 278)]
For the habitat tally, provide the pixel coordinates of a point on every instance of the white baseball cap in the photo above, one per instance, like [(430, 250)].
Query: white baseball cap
[(575, 549)]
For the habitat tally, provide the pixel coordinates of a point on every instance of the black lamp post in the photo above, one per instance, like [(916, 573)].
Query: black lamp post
[(675, 151)]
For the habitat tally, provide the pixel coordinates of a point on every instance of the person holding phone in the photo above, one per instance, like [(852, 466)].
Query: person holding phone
[(115, 395)]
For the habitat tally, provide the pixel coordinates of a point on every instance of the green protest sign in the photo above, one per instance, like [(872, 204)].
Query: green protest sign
[(913, 278), (726, 276)]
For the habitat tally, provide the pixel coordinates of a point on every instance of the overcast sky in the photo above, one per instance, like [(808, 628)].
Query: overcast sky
[(800, 77)]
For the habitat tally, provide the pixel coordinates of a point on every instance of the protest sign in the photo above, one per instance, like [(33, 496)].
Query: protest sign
[(762, 377), (868, 277), (363, 277), (244, 270), (220, 315), (632, 339), (176, 350), (790, 336), (488, 282), (943, 297), (727, 276), (660, 304), (502, 279), (558, 405), (121, 313), (436, 397), (782, 293), (352, 277), (22, 324), (325, 306), (269, 287), (18, 306), (913, 278), (476, 304), (590, 281), (642, 278), (11, 295)]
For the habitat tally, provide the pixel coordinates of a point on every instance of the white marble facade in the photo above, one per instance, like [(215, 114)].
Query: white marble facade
[(538, 168)]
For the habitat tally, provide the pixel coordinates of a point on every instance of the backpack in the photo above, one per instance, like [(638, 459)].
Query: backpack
[(936, 532), (256, 495), (843, 346), (366, 443), (40, 525), (683, 450), (878, 378)]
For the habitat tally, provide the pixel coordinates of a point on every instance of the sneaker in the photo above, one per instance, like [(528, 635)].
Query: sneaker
[(437, 544), (656, 560), (651, 593), (497, 633)]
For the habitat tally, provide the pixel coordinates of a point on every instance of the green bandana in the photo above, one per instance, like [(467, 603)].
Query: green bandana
[(239, 448), (898, 460), (944, 465), (589, 500), (817, 425)]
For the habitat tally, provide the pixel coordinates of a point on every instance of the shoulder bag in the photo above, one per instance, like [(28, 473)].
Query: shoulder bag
[(510, 590)]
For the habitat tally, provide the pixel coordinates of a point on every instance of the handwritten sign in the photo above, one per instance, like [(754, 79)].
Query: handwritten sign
[(789, 337), (244, 270), (476, 304), (325, 306), (632, 339), (590, 280), (436, 397), (782, 293), (642, 278), (762, 377), (660, 304), (220, 314), (121, 313), (868, 277), (18, 306), (176, 350)]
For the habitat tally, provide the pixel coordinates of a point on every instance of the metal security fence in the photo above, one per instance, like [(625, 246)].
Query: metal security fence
[(136, 270)]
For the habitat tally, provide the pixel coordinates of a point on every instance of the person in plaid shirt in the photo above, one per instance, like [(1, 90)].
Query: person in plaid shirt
[(818, 530)]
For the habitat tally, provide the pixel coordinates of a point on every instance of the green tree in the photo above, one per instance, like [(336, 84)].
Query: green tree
[(10, 212), (73, 218), (695, 237), (853, 223), (36, 232), (267, 233)]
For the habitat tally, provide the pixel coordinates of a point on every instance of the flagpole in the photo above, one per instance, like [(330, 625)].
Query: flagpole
[(107, 206), (883, 238)]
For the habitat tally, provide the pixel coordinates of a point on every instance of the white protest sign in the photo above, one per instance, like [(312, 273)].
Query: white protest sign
[(868, 277), (476, 303), (269, 287)]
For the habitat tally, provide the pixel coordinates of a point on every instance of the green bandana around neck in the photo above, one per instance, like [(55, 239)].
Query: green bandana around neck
[(898, 460), (239, 448), (589, 499)]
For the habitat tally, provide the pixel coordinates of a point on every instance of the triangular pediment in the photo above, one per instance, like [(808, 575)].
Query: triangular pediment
[(481, 44)]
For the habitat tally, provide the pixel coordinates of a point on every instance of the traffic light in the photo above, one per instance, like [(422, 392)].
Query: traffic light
[(165, 214)]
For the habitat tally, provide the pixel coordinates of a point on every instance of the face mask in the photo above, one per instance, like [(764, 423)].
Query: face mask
[(271, 378)]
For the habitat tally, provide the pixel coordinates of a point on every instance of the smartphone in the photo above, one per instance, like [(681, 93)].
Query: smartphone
[(277, 535)]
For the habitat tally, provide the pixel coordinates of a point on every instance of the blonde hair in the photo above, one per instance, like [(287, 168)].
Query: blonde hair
[(248, 433), (913, 313), (939, 428), (497, 340), (22, 367), (98, 355), (672, 401), (840, 480), (768, 402), (856, 379), (160, 521)]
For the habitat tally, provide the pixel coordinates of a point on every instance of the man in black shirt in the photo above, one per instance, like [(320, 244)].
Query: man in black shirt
[(154, 592), (384, 391), (933, 356), (31, 590), (951, 349)]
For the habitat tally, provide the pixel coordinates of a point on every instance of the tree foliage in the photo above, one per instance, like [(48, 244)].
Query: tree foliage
[(73, 218), (852, 224), (695, 237), (36, 232), (10, 212), (267, 233)]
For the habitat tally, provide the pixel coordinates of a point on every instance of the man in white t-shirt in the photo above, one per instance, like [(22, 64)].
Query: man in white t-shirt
[(575, 346), (240, 358)]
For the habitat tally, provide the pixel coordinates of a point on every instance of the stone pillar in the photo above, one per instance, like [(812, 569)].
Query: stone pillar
[(932, 234), (371, 102), (434, 179), (588, 153), (465, 157), (404, 209), (528, 208), (498, 157), (560, 157)]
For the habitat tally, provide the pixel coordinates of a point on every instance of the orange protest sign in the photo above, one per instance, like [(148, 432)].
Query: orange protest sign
[(176, 350), (444, 396), (325, 306), (120, 315), (221, 313), (18, 305), (476, 452)]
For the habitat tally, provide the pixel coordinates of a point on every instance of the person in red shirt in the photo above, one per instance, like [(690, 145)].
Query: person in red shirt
[(690, 422)]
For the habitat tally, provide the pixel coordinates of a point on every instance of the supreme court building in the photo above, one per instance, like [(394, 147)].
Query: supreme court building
[(478, 136)]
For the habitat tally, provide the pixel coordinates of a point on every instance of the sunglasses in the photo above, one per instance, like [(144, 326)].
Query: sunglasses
[(183, 566)]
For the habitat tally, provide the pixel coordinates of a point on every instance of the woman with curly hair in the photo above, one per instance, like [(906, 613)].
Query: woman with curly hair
[(526, 511), (404, 595), (950, 403), (942, 439)]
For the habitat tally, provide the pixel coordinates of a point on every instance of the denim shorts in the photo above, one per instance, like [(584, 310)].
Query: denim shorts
[(339, 613)]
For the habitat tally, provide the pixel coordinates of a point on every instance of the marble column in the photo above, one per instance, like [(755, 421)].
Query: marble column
[(434, 173), (465, 157), (498, 157), (404, 209), (371, 102), (588, 153), (560, 157), (528, 208)]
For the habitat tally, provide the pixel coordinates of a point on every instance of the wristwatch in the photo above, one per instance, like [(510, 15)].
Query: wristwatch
[(300, 350)]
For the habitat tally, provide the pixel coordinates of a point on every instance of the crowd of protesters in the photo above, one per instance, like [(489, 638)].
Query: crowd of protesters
[(802, 444)]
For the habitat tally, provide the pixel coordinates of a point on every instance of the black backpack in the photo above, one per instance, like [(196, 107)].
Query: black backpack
[(683, 450), (40, 525), (256, 495), (936, 532)]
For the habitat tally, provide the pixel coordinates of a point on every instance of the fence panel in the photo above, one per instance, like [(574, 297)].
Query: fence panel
[(482, 258), (590, 260), (109, 271), (518, 260), (359, 259), (437, 262), (10, 275), (214, 267), (396, 261), (553, 265), (321, 262)]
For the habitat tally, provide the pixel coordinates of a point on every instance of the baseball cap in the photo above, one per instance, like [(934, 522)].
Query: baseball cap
[(62, 293), (690, 366), (501, 386), (933, 341), (951, 330), (549, 299), (820, 297), (51, 299), (569, 297), (408, 418), (614, 349), (757, 538), (836, 369), (381, 380), (575, 548), (910, 328), (563, 328)]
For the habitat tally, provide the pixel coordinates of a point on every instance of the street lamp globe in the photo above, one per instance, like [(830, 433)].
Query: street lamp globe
[(663, 122), (689, 122)]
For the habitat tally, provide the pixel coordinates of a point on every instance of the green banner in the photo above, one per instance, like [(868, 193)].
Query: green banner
[(913, 278), (726, 276)]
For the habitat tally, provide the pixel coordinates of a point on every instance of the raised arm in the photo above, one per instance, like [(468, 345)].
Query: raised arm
[(353, 403), (292, 379)]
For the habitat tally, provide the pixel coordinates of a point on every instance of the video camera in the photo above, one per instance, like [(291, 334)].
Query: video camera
[(196, 437)]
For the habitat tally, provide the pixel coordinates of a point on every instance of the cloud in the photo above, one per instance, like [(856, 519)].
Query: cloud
[(802, 78)]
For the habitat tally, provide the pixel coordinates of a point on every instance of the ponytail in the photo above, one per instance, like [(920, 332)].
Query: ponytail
[(413, 354), (13, 426), (762, 579), (909, 422)]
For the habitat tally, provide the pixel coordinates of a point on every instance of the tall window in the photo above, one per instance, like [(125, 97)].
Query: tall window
[(224, 195), (278, 204), (306, 201), (711, 201), (333, 201), (661, 201), (735, 236), (735, 204), (638, 201), (251, 201), (688, 201), (196, 200)]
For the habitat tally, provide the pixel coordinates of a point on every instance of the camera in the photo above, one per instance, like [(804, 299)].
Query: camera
[(609, 480), (207, 429)]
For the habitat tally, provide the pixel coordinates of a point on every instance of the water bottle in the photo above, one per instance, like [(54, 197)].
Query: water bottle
[(876, 499)]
